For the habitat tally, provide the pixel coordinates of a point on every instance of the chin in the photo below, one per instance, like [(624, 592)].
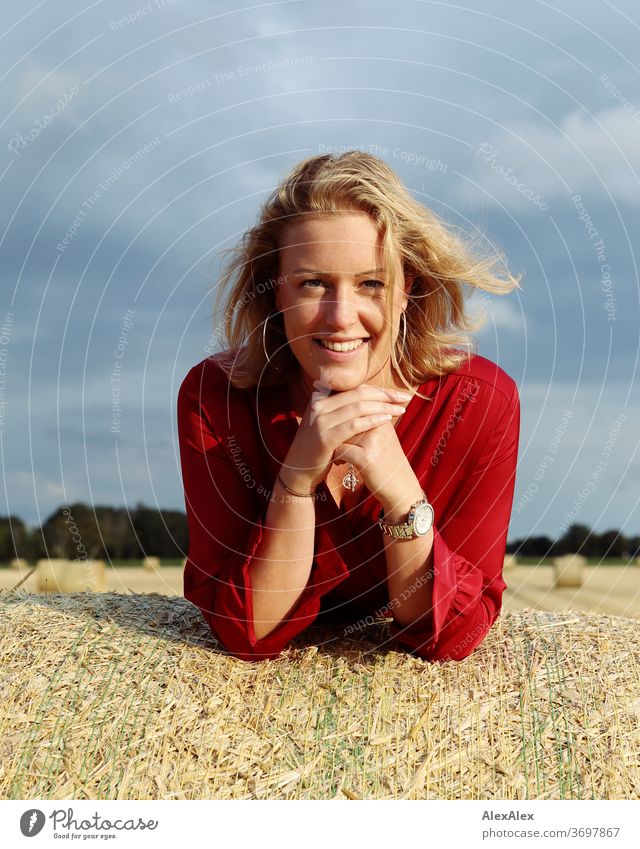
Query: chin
[(340, 378)]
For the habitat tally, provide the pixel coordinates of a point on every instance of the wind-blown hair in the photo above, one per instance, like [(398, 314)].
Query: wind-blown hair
[(439, 261)]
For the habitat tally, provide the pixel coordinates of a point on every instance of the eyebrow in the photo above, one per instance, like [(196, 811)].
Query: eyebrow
[(329, 273)]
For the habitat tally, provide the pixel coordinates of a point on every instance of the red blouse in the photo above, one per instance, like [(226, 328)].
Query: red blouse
[(462, 446)]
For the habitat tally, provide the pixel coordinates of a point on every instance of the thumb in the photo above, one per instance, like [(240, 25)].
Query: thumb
[(338, 455), (345, 453)]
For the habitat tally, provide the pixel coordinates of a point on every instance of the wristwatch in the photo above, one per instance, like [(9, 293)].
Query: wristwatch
[(418, 522)]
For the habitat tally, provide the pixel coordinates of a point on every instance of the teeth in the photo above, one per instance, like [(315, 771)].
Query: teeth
[(341, 346)]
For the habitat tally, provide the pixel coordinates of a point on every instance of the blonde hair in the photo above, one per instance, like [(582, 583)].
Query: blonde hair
[(438, 261)]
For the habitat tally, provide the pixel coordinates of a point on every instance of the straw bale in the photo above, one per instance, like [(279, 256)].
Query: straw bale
[(151, 563), (49, 574), (19, 563), (71, 576), (510, 561), (568, 570), (108, 696)]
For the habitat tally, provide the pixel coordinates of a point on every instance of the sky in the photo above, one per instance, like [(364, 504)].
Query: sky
[(138, 141)]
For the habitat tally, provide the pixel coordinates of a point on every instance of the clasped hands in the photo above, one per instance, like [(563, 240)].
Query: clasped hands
[(353, 426)]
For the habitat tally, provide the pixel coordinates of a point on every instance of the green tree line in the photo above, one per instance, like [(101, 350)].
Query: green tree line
[(579, 539), (117, 533), (102, 533)]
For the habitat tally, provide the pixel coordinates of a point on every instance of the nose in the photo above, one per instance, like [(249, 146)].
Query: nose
[(340, 309)]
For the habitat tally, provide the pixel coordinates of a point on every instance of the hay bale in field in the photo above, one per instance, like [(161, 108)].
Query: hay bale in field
[(546, 708), (510, 561), (86, 576), (71, 576), (151, 563), (49, 574), (19, 563), (568, 570)]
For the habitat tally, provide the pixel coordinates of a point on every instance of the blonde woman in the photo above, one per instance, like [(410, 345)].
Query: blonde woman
[(345, 457)]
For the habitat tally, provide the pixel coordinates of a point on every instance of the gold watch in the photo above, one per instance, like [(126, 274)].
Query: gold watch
[(418, 523)]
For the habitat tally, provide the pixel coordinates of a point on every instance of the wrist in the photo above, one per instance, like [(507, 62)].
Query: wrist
[(292, 479), (396, 508)]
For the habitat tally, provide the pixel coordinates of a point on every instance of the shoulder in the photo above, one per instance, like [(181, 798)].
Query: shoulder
[(207, 382), (207, 373), (477, 411), (487, 377), (206, 398), (209, 407)]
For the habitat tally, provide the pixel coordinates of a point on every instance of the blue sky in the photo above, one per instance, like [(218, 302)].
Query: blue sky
[(139, 139)]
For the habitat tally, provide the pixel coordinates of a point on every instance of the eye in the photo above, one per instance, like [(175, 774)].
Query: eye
[(369, 284)]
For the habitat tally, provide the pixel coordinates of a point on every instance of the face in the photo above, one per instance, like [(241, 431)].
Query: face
[(333, 287)]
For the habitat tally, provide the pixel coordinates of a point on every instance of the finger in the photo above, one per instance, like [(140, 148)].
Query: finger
[(364, 408), (357, 411), (320, 389), (345, 430), (365, 393)]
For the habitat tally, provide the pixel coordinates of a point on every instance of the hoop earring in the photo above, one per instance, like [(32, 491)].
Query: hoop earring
[(264, 329), (404, 335)]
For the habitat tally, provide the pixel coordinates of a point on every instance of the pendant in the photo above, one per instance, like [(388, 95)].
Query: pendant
[(350, 481)]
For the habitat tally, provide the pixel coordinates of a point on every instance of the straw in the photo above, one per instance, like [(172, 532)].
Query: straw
[(110, 696)]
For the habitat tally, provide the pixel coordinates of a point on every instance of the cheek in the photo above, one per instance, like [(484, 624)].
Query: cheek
[(299, 324), (305, 317)]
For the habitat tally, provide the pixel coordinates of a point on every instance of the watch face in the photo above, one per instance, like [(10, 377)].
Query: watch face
[(423, 519)]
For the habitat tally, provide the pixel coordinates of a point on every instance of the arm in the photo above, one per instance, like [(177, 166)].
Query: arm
[(462, 594), (282, 560), (409, 562), (236, 553)]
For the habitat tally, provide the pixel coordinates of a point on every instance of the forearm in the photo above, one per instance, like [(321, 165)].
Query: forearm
[(282, 561), (409, 564)]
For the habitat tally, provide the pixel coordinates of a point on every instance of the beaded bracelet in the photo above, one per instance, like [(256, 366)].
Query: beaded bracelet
[(299, 494)]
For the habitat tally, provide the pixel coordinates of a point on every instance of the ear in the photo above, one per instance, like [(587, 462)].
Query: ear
[(409, 278)]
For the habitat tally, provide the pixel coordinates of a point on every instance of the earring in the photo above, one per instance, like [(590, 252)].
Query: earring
[(404, 335), (264, 329)]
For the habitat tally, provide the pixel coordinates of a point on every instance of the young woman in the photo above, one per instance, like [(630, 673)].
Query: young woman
[(345, 457)]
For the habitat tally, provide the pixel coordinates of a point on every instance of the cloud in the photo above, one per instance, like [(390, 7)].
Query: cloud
[(501, 312), (430, 80), (588, 154)]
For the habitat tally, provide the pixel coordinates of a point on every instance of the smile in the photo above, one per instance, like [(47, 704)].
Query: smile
[(340, 347)]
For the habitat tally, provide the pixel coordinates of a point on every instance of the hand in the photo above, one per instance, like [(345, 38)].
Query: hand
[(380, 459), (329, 421)]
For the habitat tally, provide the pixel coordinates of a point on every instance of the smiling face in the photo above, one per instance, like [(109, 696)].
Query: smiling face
[(333, 288)]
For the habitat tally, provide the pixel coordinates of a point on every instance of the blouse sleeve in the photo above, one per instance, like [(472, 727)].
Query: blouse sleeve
[(469, 549), (225, 525)]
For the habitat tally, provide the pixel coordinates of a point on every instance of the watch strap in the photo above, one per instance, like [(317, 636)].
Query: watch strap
[(402, 530)]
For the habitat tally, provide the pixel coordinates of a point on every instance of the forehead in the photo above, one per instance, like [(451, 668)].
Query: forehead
[(349, 235)]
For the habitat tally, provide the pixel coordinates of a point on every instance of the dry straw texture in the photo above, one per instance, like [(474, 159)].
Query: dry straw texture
[(127, 697)]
